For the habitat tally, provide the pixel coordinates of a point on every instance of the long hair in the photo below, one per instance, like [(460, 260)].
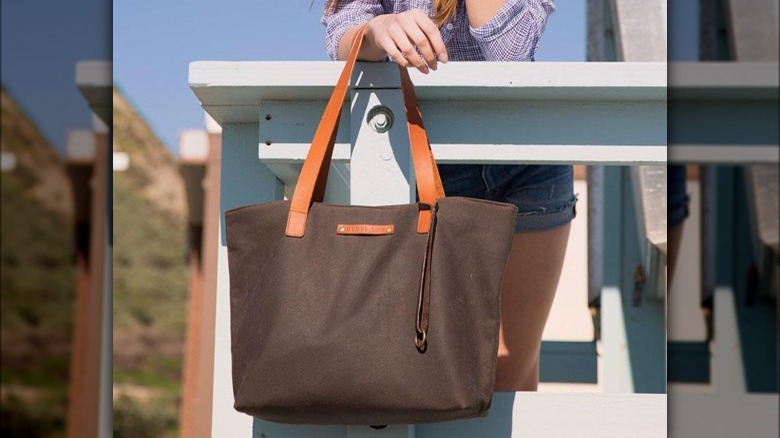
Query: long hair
[(445, 9)]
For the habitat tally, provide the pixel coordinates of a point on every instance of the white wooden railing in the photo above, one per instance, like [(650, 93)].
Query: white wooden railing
[(507, 113)]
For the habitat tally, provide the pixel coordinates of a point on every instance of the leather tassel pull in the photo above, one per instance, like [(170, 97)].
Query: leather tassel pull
[(424, 296)]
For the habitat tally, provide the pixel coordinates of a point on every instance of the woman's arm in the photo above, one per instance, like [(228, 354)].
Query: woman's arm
[(368, 51), (481, 11), (512, 32), (399, 36)]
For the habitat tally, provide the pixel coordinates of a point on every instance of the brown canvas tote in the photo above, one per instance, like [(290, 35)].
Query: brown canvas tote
[(366, 315)]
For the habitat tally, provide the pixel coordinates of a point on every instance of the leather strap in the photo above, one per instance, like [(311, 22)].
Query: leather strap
[(424, 295), (314, 174), (429, 187)]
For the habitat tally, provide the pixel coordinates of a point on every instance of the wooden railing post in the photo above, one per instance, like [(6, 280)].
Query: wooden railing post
[(87, 169), (94, 329), (199, 164)]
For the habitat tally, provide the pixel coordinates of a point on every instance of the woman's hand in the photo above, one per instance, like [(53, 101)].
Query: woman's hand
[(397, 36), (401, 35)]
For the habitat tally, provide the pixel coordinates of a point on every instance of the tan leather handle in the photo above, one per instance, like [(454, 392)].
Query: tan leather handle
[(429, 187), (314, 174)]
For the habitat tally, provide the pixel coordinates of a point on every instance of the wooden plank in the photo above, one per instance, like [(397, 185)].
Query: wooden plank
[(708, 99), (723, 415), (753, 29), (640, 30), (88, 397), (734, 154), (191, 370), (686, 320), (728, 370), (621, 155), (528, 415), (723, 80), (521, 132), (204, 392), (633, 327), (650, 192), (532, 415), (106, 376), (763, 184), (231, 92), (644, 313), (598, 79), (616, 360), (649, 187), (381, 169), (193, 147), (80, 175), (94, 80)]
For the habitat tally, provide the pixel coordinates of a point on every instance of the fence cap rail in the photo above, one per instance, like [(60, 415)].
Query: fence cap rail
[(231, 92), (723, 80), (723, 112), (94, 80)]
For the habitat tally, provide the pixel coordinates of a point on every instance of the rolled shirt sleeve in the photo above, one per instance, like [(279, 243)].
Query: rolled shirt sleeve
[(513, 33), (349, 13)]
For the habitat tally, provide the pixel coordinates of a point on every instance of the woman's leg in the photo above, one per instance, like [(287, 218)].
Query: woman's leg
[(530, 281), (545, 200)]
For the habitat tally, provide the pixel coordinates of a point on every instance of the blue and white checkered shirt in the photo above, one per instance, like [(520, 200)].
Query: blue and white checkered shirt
[(511, 35)]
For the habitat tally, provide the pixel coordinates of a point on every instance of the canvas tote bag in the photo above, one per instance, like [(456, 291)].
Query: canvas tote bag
[(366, 315)]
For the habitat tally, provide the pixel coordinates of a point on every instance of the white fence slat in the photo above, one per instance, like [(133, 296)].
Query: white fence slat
[(539, 415)]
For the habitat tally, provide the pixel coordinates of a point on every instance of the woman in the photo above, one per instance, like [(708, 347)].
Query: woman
[(422, 33)]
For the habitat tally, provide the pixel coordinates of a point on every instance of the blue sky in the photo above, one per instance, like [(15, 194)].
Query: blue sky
[(41, 42), (683, 30), (155, 41)]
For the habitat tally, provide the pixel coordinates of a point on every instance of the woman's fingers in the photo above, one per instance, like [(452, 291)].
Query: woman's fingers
[(433, 35), (403, 35), (388, 45), (407, 49), (420, 40)]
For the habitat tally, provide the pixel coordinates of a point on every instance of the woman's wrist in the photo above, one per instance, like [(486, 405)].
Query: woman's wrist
[(369, 50)]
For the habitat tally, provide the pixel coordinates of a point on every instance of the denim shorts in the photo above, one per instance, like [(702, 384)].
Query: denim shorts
[(543, 194)]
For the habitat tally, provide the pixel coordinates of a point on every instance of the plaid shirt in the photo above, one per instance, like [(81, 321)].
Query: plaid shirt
[(511, 35)]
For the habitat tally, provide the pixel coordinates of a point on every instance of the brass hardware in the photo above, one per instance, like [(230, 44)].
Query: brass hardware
[(420, 342)]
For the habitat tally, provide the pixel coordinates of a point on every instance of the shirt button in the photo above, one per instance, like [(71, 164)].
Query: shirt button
[(449, 26)]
